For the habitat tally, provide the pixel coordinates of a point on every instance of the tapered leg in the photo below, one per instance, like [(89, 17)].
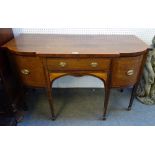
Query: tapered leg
[(106, 100), (49, 93), (132, 96), (48, 88)]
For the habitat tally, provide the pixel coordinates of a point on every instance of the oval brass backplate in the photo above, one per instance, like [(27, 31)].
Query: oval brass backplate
[(25, 71), (94, 64), (62, 64), (130, 72)]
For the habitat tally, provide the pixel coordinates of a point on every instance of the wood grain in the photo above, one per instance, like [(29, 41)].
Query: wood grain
[(78, 64), (77, 45), (120, 68), (119, 58), (33, 64), (101, 75)]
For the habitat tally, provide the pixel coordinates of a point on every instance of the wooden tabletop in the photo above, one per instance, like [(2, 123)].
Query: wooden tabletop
[(59, 44)]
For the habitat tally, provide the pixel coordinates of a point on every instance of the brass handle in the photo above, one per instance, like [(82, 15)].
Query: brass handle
[(94, 64), (25, 71), (130, 72), (62, 64)]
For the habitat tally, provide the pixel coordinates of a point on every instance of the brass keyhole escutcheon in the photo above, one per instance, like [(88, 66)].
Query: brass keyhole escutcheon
[(25, 71)]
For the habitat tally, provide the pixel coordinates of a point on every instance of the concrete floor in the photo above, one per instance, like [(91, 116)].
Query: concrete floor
[(84, 107)]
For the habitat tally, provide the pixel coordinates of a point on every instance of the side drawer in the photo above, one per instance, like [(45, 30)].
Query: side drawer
[(30, 70), (125, 71), (78, 64)]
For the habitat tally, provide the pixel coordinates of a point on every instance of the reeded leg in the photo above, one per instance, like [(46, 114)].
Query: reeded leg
[(106, 100), (49, 93), (132, 96)]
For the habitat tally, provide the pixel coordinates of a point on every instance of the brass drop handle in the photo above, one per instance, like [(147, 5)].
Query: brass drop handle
[(62, 64), (25, 71), (130, 72), (94, 64)]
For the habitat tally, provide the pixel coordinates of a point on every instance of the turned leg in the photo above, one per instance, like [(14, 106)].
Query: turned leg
[(133, 93), (106, 101)]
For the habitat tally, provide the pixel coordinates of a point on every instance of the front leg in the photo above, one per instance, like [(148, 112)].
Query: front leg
[(49, 93), (133, 93), (48, 88), (106, 100)]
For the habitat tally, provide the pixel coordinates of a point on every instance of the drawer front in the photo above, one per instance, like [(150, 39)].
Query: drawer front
[(58, 64), (30, 70), (125, 71)]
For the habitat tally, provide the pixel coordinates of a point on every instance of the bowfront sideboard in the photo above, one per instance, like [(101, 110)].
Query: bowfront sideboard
[(39, 59)]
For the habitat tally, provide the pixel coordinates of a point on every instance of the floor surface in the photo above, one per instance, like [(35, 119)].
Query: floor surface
[(84, 107)]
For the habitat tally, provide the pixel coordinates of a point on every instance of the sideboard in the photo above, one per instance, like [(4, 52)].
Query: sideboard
[(117, 60)]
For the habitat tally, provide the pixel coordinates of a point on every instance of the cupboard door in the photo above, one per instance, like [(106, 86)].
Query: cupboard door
[(30, 70), (125, 71)]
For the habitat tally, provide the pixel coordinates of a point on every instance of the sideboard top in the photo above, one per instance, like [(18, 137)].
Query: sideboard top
[(59, 44)]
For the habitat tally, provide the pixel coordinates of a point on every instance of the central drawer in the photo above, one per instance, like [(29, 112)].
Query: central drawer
[(54, 64)]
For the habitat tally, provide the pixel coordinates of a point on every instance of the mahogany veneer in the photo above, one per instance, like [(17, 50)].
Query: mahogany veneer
[(55, 64), (117, 60)]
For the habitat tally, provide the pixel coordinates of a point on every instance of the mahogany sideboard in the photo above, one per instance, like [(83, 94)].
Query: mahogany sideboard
[(117, 60)]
